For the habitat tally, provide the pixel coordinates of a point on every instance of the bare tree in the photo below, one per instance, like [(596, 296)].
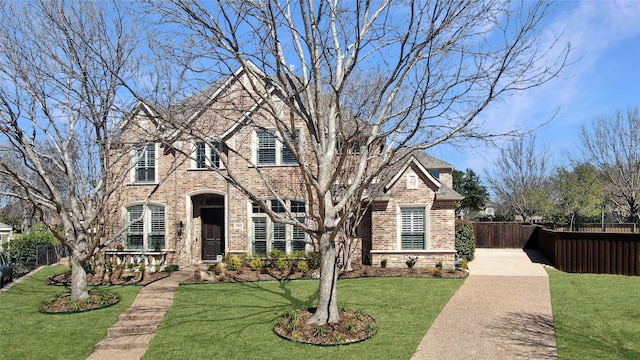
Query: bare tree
[(66, 75), (387, 78), (612, 144), (520, 178)]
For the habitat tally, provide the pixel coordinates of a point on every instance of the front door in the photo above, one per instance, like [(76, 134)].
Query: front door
[(212, 233)]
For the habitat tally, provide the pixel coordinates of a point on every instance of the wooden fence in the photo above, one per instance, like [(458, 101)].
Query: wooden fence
[(578, 252), (608, 227), (503, 235), (596, 253)]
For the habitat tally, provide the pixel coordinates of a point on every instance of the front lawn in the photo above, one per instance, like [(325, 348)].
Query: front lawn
[(25, 333), (596, 316), (235, 321)]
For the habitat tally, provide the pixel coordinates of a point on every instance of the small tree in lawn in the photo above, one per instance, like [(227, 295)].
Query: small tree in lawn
[(66, 73), (387, 78)]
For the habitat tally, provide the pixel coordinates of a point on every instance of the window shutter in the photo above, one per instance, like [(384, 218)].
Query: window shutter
[(266, 148), (260, 236)]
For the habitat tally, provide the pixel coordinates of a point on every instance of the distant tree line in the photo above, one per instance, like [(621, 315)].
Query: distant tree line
[(604, 179)]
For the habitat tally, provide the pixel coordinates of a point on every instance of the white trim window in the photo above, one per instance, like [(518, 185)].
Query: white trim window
[(270, 151), (145, 168), (148, 233), (268, 235), (413, 229), (412, 181), (205, 157)]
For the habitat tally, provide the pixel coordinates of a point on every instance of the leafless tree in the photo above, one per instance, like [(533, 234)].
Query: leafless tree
[(520, 178), (389, 77), (67, 76), (612, 144)]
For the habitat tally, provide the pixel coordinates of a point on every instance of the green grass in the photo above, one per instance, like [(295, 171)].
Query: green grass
[(596, 316), (234, 321), (25, 333)]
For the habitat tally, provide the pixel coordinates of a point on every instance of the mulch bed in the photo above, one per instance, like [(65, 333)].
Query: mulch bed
[(64, 279), (354, 326), (245, 274)]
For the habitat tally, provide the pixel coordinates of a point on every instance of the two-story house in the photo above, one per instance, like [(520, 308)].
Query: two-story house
[(196, 215)]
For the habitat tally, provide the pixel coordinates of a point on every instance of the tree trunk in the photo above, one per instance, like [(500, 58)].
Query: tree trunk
[(78, 280), (327, 310)]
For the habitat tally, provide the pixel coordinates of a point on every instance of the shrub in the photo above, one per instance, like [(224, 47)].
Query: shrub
[(302, 266), (233, 262), (256, 264), (23, 247), (171, 268), (464, 264), (282, 264), (313, 260), (299, 254), (439, 265), (465, 240), (383, 263), (319, 331)]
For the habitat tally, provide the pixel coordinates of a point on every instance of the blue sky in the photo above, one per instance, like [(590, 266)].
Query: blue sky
[(605, 77)]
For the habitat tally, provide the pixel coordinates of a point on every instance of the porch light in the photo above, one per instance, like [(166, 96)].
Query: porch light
[(179, 228)]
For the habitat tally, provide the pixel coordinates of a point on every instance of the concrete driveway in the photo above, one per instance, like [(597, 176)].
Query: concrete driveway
[(502, 311)]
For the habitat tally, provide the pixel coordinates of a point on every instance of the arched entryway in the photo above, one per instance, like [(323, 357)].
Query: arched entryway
[(210, 210)]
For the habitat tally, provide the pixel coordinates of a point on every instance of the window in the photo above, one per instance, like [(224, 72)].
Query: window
[(269, 235), (149, 232), (206, 156), (288, 158), (266, 148), (413, 229), (435, 173), (412, 181), (270, 151), (145, 169), (355, 147)]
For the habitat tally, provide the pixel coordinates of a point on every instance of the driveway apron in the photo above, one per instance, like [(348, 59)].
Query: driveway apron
[(502, 311)]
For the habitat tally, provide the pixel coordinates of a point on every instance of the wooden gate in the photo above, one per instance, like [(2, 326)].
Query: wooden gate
[(504, 235)]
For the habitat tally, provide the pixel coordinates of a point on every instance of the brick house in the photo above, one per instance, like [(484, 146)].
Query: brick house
[(195, 215)]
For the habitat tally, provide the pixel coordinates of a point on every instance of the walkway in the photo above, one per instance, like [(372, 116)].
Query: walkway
[(130, 336), (502, 311)]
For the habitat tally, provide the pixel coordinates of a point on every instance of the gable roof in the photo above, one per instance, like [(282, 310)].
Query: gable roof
[(4, 226), (423, 162)]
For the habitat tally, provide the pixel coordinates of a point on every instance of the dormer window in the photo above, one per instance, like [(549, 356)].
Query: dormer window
[(145, 168)]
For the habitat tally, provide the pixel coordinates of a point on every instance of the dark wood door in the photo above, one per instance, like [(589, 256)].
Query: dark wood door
[(212, 233)]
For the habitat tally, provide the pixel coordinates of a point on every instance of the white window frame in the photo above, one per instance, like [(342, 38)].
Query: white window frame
[(147, 227), (289, 232), (208, 153), (279, 149), (426, 225), (137, 158)]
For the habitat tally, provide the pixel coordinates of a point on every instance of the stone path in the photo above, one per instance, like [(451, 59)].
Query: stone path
[(502, 311), (130, 336)]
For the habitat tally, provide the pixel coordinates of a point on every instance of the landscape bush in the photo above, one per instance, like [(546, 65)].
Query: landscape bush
[(24, 247), (465, 240)]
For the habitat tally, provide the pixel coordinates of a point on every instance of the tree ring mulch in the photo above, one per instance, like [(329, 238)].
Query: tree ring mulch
[(354, 326), (64, 304)]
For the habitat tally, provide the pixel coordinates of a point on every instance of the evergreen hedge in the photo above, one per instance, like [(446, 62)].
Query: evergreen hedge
[(465, 240)]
